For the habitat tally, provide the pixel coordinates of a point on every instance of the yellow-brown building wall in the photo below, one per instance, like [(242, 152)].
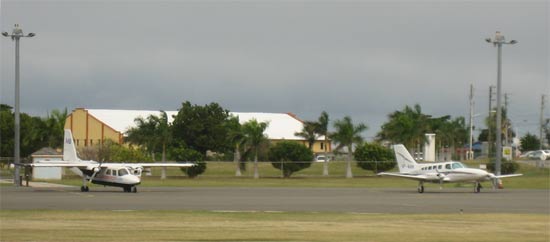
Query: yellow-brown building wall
[(88, 130), (318, 148)]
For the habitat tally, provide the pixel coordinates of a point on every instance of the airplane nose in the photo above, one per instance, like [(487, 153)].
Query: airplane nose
[(135, 179)]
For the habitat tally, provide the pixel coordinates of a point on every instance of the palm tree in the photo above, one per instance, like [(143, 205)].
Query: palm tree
[(153, 132), (254, 137), (235, 137), (308, 133), (406, 127), (347, 134), (55, 123), (322, 129)]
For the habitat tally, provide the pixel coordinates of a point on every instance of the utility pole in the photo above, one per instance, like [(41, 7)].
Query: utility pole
[(506, 120), (541, 120), (470, 155)]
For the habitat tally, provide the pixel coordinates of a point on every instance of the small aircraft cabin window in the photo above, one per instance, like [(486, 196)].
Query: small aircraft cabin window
[(439, 167), (430, 167), (448, 166), (114, 172), (108, 172), (122, 172)]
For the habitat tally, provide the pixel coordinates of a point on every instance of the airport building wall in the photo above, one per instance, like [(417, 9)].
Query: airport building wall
[(89, 129)]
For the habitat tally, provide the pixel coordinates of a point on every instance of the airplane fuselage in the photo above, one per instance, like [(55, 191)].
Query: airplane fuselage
[(450, 172), (117, 176)]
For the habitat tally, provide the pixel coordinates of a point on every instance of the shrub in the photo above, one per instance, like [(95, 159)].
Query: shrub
[(374, 157), (185, 154), (506, 167), (290, 157)]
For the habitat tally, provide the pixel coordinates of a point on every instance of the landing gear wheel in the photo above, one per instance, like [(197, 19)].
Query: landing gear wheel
[(477, 187), (420, 189), (134, 189), (84, 189)]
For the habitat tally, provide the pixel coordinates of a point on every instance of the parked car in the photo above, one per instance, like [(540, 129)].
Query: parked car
[(539, 154), (526, 154), (321, 158)]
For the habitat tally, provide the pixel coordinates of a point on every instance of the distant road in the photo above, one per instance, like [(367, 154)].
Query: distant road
[(358, 200)]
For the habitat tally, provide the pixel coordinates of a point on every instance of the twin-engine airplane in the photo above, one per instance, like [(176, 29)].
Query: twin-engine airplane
[(451, 171), (125, 175)]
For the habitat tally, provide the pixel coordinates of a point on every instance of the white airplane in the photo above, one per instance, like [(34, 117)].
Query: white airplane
[(125, 175), (442, 172)]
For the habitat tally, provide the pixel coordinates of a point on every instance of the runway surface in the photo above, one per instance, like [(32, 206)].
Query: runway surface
[(356, 200)]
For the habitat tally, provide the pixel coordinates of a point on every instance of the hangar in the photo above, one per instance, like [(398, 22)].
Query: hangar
[(94, 126)]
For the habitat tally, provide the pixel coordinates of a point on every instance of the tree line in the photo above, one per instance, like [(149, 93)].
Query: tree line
[(36, 132), (209, 132)]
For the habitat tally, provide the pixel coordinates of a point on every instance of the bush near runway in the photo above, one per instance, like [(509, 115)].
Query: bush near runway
[(25, 225), (223, 174)]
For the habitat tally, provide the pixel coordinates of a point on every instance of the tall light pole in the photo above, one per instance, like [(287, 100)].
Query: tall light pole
[(498, 41), (16, 34)]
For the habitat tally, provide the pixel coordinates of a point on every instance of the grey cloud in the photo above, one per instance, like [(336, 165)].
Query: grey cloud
[(362, 58)]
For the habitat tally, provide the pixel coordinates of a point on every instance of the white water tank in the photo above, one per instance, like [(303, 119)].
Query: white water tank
[(429, 148)]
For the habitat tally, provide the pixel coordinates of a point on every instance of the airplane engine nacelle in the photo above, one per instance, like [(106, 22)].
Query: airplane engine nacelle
[(433, 176), (93, 168)]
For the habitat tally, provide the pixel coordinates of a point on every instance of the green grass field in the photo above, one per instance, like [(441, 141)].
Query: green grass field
[(51, 225), (222, 174), (264, 226)]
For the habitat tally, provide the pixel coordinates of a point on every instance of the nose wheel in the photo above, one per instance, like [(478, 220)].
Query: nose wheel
[(130, 189)]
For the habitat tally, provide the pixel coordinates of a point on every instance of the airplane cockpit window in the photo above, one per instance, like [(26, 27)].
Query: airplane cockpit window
[(448, 166), (122, 172), (457, 165)]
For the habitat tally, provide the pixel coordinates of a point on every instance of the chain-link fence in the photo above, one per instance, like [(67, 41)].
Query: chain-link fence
[(268, 169)]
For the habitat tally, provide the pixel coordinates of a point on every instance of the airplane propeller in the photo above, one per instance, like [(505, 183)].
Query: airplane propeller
[(96, 170)]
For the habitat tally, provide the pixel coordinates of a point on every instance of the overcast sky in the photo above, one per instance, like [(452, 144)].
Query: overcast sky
[(365, 59)]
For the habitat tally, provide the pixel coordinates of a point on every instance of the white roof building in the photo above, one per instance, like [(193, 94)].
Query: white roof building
[(282, 126)]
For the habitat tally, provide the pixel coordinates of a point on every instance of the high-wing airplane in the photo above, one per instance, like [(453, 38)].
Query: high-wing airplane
[(442, 172), (124, 175)]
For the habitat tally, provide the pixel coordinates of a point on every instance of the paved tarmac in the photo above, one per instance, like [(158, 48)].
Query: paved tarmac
[(355, 200)]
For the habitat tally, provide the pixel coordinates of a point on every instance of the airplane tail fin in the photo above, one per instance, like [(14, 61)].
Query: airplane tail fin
[(69, 150), (404, 159)]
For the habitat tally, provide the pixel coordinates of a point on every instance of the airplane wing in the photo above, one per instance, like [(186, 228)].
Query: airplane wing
[(144, 165), (64, 164), (511, 175), (414, 177)]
